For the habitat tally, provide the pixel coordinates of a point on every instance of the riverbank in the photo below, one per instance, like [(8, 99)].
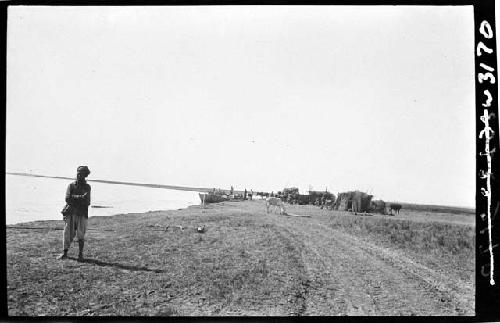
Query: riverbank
[(246, 262), (107, 199)]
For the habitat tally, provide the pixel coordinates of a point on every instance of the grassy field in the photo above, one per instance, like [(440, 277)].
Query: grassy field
[(452, 245), (437, 238), (437, 208), (141, 270), (245, 263)]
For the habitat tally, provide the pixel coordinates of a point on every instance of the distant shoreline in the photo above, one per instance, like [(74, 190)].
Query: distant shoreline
[(408, 205), (170, 187)]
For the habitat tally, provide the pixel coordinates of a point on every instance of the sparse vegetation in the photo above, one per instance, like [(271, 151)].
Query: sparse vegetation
[(237, 265), (437, 208), (245, 263), (450, 244)]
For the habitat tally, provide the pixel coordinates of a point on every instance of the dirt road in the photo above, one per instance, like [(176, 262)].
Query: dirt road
[(349, 276)]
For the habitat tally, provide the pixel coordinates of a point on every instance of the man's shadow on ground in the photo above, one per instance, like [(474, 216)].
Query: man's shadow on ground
[(116, 265)]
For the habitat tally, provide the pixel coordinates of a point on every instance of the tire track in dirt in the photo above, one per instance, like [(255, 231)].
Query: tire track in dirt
[(319, 299), (347, 284), (352, 277), (297, 301), (456, 291), (327, 295)]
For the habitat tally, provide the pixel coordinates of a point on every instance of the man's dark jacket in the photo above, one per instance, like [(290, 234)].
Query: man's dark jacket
[(75, 196)]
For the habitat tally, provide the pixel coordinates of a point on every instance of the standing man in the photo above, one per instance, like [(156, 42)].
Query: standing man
[(78, 197)]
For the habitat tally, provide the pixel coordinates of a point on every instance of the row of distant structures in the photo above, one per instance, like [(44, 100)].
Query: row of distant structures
[(354, 201)]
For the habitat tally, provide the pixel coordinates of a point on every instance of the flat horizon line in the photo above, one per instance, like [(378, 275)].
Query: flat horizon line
[(204, 189), (172, 187)]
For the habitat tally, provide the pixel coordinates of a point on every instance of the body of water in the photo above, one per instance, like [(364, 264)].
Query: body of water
[(37, 198)]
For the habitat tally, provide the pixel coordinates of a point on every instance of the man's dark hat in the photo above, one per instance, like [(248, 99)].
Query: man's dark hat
[(84, 170)]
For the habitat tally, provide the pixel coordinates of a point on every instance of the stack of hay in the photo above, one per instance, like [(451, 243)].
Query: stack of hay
[(378, 206), (356, 201)]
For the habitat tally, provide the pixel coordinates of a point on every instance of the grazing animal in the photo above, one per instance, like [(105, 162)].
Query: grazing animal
[(396, 208), (277, 203)]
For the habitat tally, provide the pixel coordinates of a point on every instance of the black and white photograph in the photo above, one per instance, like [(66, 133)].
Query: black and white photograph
[(241, 160)]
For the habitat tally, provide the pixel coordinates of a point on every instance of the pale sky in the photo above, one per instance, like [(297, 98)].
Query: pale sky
[(371, 98)]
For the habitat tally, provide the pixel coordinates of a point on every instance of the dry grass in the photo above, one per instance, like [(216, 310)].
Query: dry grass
[(241, 265), (442, 241), (452, 245), (238, 266), (438, 208)]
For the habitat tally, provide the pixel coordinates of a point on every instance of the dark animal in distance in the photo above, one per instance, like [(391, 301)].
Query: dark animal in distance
[(395, 207)]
